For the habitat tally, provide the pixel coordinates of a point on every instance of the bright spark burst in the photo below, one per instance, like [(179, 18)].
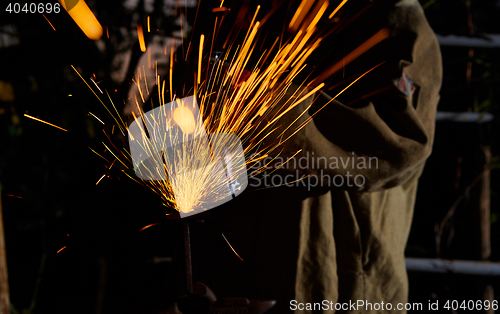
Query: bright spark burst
[(232, 100)]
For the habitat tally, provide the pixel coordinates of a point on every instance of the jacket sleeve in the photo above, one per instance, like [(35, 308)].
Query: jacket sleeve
[(384, 130)]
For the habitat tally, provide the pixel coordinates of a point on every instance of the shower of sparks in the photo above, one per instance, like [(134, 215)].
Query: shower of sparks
[(232, 248), (58, 251), (236, 96), (49, 22), (40, 120)]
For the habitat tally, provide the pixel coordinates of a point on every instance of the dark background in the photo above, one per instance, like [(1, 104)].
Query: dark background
[(48, 176)]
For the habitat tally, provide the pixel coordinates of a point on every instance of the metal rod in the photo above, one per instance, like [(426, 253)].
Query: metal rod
[(187, 256), (4, 284), (453, 266)]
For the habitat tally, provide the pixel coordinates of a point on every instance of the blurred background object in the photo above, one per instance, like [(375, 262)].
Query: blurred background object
[(457, 209)]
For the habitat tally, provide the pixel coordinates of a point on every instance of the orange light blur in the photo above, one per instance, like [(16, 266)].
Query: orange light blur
[(85, 19), (140, 34), (61, 249)]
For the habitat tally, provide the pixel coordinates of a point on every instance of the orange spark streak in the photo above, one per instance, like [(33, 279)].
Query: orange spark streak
[(149, 226), (232, 247), (163, 93), (61, 249), (99, 155), (343, 90), (49, 22), (96, 85), (111, 166), (170, 70), (40, 120), (85, 19), (158, 83), (93, 115), (300, 14), (11, 195), (149, 28), (140, 34), (295, 103), (364, 47), (337, 8), (320, 13), (119, 125), (202, 39), (100, 179), (302, 99)]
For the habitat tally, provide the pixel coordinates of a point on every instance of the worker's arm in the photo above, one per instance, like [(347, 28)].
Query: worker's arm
[(392, 129)]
